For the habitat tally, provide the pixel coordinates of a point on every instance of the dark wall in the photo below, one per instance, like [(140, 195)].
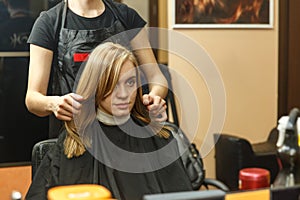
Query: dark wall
[(289, 59), (19, 129)]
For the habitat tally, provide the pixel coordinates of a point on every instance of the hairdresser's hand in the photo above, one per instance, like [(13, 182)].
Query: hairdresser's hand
[(156, 106), (66, 106)]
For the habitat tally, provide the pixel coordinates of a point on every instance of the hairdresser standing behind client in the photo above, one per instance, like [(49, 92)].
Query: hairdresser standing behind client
[(60, 41)]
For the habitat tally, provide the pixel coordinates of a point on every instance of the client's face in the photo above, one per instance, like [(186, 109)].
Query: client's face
[(122, 99)]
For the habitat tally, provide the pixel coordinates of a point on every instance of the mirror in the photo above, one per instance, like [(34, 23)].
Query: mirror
[(19, 129)]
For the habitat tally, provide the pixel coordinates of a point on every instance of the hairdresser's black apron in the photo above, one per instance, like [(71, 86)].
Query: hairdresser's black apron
[(73, 48)]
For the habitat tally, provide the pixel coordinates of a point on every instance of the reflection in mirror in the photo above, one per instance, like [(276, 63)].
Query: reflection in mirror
[(19, 129), (3, 12)]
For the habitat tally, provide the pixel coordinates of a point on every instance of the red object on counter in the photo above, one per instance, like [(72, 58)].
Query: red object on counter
[(254, 178)]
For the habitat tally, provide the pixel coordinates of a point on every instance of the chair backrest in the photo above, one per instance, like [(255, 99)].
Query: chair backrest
[(190, 156), (231, 153), (234, 153), (39, 151), (170, 96)]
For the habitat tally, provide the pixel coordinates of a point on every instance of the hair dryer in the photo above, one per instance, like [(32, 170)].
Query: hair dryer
[(288, 150)]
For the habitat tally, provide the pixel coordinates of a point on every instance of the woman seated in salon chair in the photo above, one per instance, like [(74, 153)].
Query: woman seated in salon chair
[(112, 141)]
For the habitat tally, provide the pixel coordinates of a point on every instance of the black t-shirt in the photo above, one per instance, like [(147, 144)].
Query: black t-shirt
[(46, 28)]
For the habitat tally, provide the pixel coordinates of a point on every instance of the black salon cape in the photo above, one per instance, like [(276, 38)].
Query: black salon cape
[(56, 169)]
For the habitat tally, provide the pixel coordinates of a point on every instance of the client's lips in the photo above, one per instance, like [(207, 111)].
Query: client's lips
[(122, 105)]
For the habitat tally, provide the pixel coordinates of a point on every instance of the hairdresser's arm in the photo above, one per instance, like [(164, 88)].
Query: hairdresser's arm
[(143, 51), (158, 85), (37, 100)]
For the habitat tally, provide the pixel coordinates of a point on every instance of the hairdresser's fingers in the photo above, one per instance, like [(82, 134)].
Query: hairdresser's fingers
[(162, 117), (147, 99), (63, 115), (157, 106), (66, 106), (76, 100)]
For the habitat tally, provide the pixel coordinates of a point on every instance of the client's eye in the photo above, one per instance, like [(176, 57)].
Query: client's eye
[(131, 82)]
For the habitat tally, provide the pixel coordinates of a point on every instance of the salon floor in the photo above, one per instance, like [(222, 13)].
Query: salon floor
[(14, 179)]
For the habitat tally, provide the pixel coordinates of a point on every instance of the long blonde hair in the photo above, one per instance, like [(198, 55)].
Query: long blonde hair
[(97, 81)]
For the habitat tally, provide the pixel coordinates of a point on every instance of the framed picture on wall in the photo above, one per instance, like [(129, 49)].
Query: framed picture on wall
[(223, 13)]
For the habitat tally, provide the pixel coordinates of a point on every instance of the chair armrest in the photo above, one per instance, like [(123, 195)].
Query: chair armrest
[(213, 182)]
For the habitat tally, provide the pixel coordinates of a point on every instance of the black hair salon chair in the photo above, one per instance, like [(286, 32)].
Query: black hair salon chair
[(234, 153), (39, 150)]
